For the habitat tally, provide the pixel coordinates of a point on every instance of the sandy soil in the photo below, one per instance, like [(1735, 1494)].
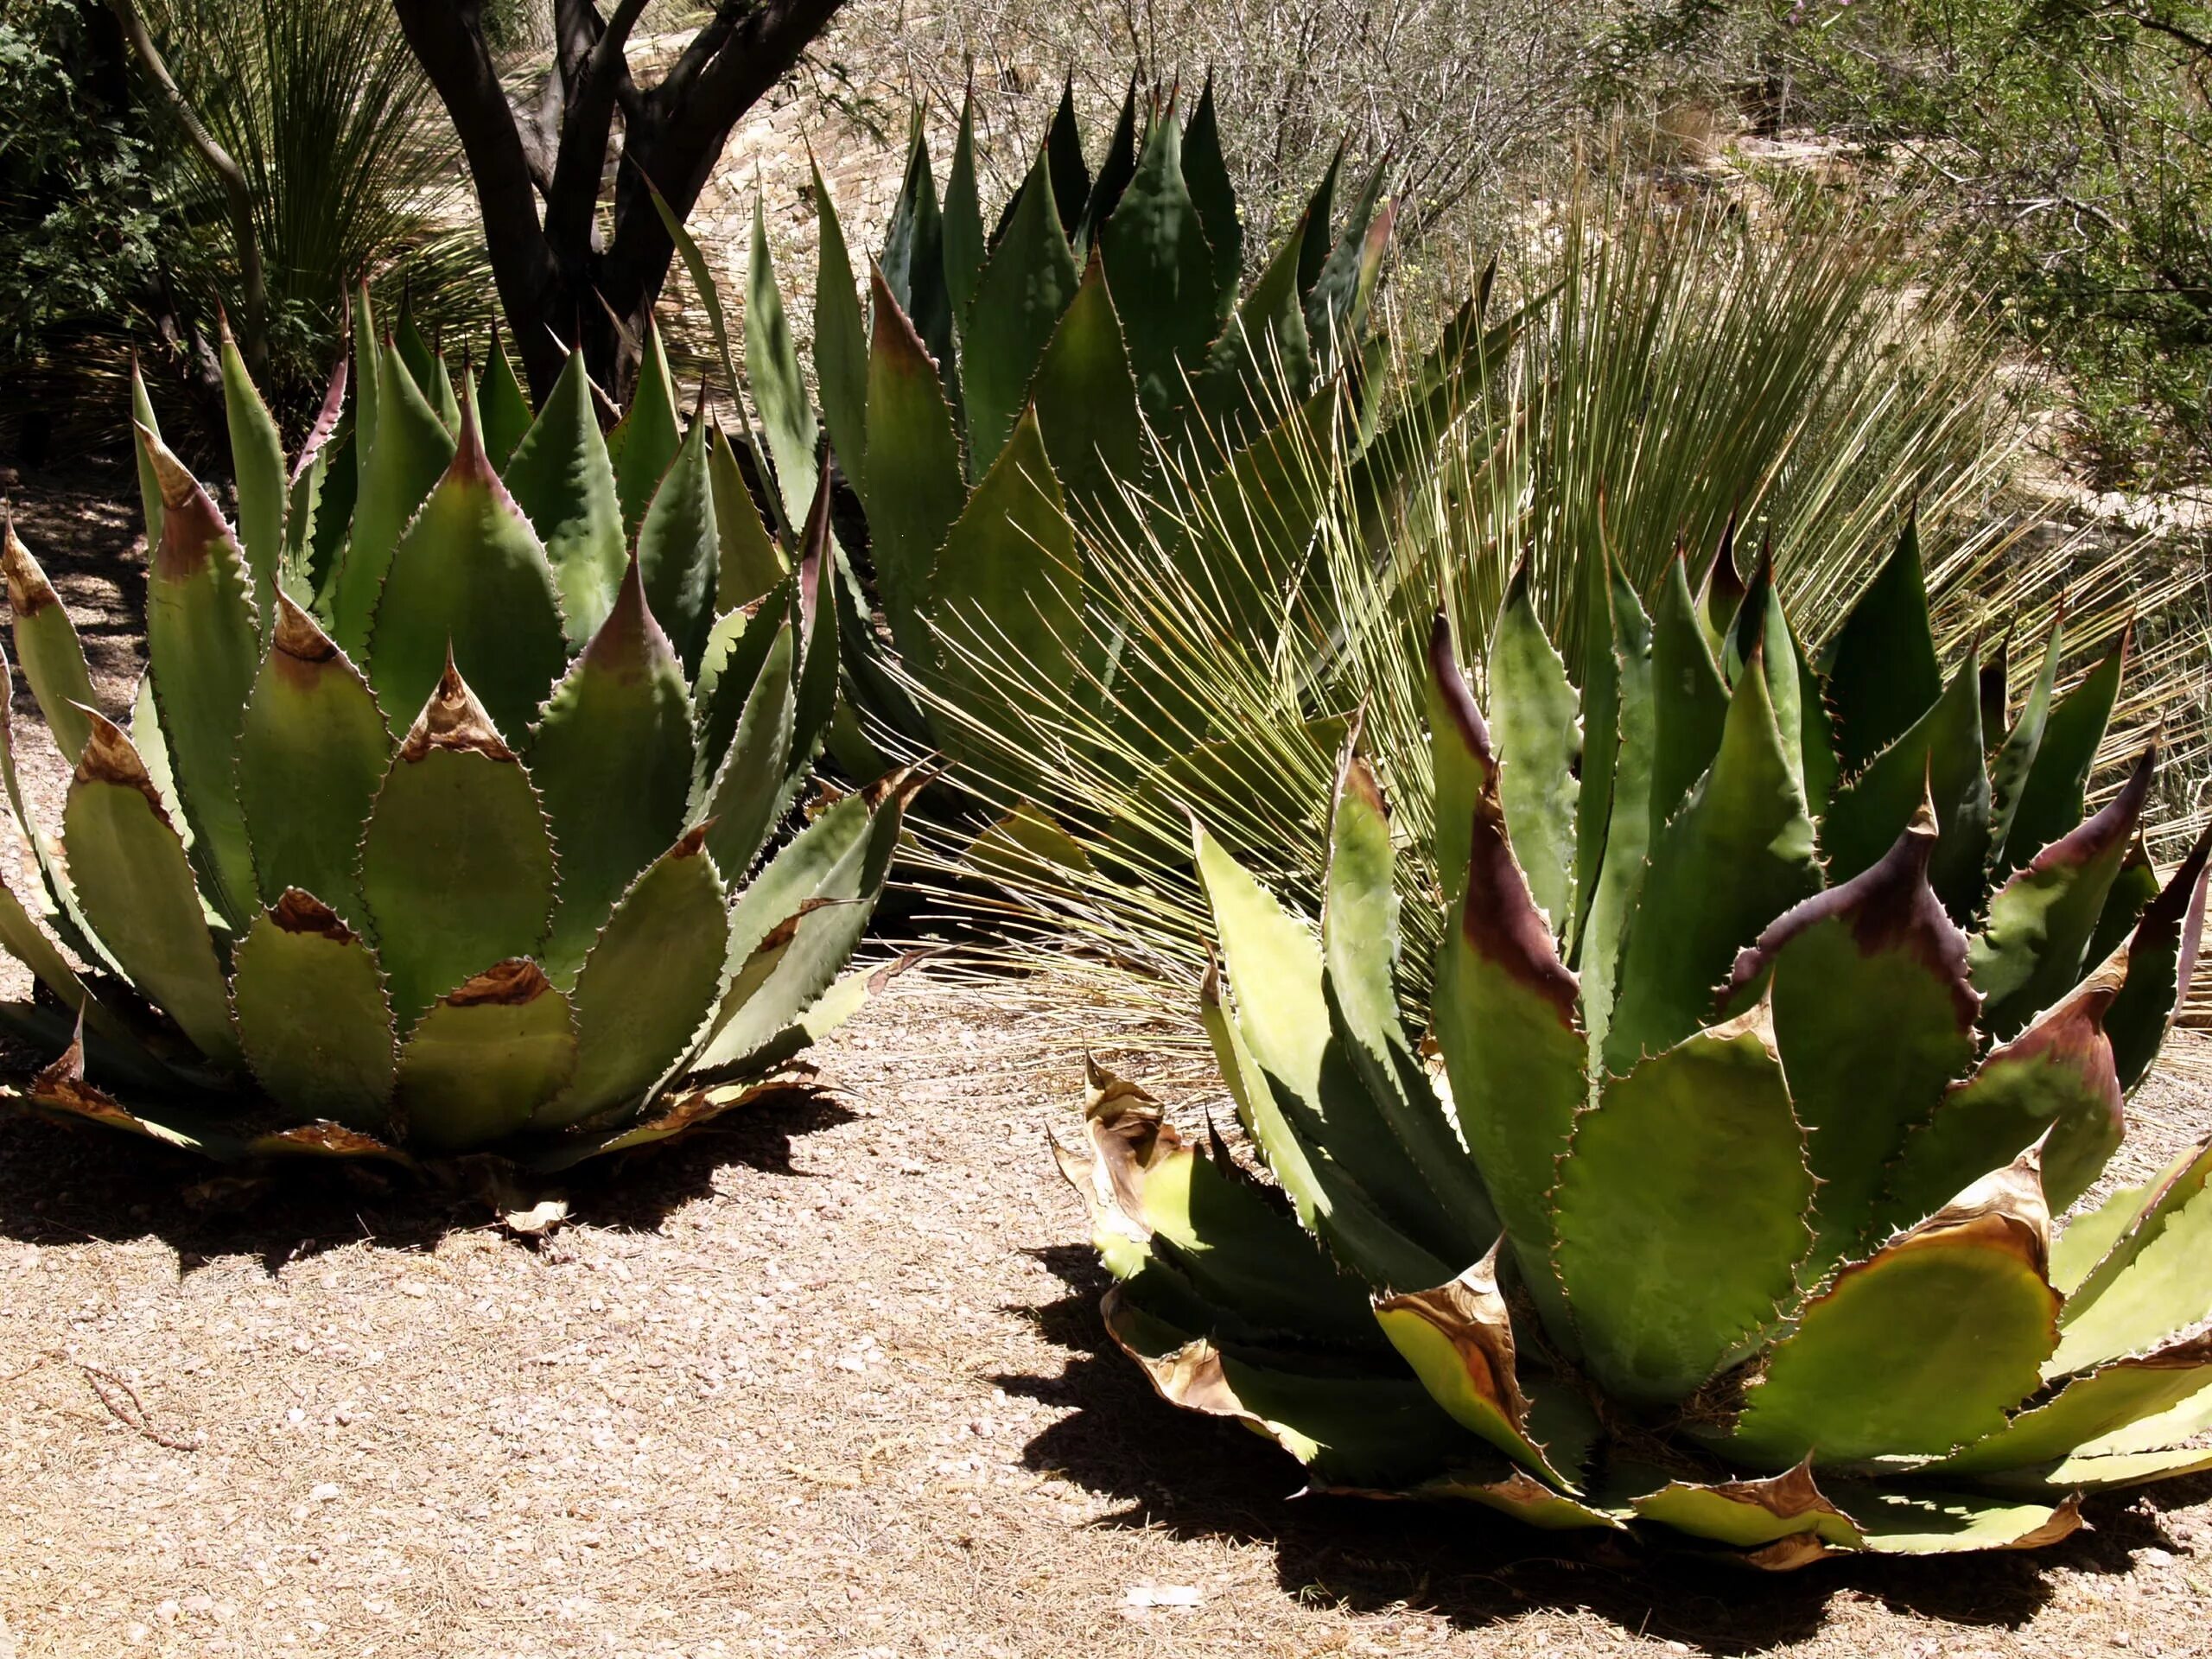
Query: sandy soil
[(826, 1379)]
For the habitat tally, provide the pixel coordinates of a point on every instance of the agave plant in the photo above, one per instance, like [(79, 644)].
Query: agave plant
[(1781, 1007), (1087, 359), (446, 850)]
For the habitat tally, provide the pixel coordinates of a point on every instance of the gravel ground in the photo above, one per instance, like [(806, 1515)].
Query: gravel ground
[(826, 1379)]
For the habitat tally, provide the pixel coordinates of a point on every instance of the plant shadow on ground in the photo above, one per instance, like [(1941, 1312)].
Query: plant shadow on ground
[(65, 1184), (1197, 1477)]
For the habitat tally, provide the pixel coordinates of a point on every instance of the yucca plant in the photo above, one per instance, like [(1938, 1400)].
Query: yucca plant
[(1780, 1005), (442, 849), (1087, 361)]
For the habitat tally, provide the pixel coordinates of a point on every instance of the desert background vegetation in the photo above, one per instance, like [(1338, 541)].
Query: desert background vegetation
[(826, 1379)]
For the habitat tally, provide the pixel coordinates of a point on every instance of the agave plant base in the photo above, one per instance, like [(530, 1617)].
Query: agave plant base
[(1730, 1209)]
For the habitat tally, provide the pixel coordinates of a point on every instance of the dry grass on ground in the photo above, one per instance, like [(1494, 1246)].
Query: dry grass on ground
[(826, 1379)]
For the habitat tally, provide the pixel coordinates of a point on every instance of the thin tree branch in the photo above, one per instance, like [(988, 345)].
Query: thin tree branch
[(236, 194)]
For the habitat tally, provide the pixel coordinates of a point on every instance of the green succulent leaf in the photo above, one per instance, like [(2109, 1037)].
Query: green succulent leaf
[(47, 646), (469, 585), (1880, 667), (1116, 167), (312, 751), (504, 404), (2016, 756), (1538, 751), (650, 432), (312, 1014), (202, 648), (1689, 698), (1737, 854), (679, 546), (150, 485), (257, 468), (1613, 808), (1922, 1348), (915, 481), (748, 562), (1205, 171), (1086, 403), (841, 341), (2149, 1287), (2108, 1401), (964, 221), (138, 893), (2040, 922), (1682, 1212), (408, 451), (2051, 799), (1918, 1522), (457, 861), (651, 975), (563, 482), (1161, 272), (1337, 301), (1939, 758), (2161, 960), (1874, 1016), (771, 371), (747, 794), (612, 759), (488, 1054), (1020, 297), (1064, 151), (913, 266), (1753, 1514)]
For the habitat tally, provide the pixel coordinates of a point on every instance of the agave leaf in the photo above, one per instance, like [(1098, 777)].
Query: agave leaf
[(1282, 1016), (1682, 1212), (1262, 363), (413, 350), (1359, 959), (728, 671), (1116, 167), (149, 484), (1086, 403), (457, 861), (814, 702), (747, 794), (1320, 214), (327, 440), (1364, 1432), (62, 1087), (2161, 960), (46, 645), (649, 980), (797, 924), (1753, 1514), (1161, 272), (841, 341), (962, 231), (484, 1058), (23, 939), (1459, 1339), (2089, 1237), (612, 759), (1205, 171), (505, 405), (1920, 1349), (470, 585), (2055, 1079), (1689, 698), (2041, 920), (1070, 174), (1874, 1016), (59, 908), (2015, 759), (1922, 1522), (258, 467), (650, 433), (1204, 1224), (2151, 1287), (2107, 1401), (2050, 801), (2162, 1432), (915, 488), (1737, 855), (203, 645), (1327, 1199), (1613, 808), (563, 482), (678, 549), (409, 450), (1019, 298), (748, 561), (1538, 751), (771, 371), (311, 752), (2102, 1471), (1880, 667), (1006, 590), (1504, 1004), (1336, 299), (138, 892), (1940, 757), (312, 1014), (2134, 885), (913, 265), (1720, 599)]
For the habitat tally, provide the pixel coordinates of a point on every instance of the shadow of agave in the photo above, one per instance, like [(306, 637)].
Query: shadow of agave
[(1198, 1477), (63, 1183)]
